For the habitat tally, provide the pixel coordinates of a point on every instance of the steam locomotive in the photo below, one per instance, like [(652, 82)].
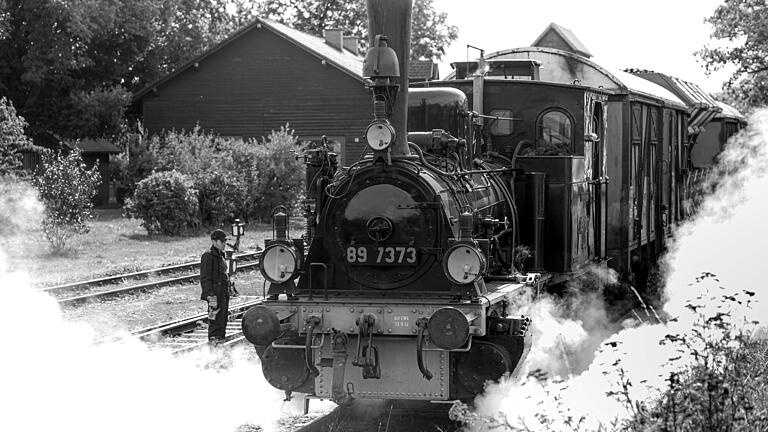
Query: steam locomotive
[(512, 178)]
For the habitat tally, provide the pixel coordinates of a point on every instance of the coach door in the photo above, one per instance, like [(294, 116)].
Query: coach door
[(594, 159)]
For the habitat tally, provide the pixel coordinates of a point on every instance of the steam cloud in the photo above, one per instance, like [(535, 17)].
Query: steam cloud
[(717, 256), (54, 378)]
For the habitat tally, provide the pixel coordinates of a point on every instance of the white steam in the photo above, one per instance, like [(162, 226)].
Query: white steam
[(20, 210), (715, 264), (54, 378)]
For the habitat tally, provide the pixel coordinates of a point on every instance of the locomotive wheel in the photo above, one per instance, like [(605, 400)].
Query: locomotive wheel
[(285, 368)]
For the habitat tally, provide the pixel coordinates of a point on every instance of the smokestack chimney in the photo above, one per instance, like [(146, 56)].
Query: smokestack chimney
[(334, 38), (352, 43), (392, 18)]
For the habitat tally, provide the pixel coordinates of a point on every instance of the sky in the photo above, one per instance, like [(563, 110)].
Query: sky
[(660, 35)]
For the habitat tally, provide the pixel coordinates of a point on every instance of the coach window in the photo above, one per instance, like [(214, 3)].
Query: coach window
[(501, 126), (555, 133)]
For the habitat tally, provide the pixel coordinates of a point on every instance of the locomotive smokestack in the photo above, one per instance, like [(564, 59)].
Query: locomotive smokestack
[(393, 19)]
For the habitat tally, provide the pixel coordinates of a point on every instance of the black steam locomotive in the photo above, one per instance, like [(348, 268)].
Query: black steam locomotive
[(501, 186)]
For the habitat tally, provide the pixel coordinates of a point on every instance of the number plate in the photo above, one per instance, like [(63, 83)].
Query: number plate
[(372, 255)]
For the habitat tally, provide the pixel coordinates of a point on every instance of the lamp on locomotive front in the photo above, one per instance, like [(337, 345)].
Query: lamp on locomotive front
[(464, 262), (381, 66), (281, 259)]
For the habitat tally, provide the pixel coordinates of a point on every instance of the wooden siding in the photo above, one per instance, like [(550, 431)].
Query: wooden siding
[(259, 83)]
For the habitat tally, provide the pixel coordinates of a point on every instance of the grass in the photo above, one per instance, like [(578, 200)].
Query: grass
[(118, 245), (114, 245)]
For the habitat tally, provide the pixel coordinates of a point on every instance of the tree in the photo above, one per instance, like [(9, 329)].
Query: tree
[(430, 34), (12, 139), (68, 66), (744, 25), (66, 187)]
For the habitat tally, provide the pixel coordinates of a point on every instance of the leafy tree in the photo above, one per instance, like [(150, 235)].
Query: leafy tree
[(67, 65), (12, 139), (66, 187), (430, 34), (744, 25)]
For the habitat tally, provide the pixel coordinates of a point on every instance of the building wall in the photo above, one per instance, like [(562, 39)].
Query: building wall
[(258, 83)]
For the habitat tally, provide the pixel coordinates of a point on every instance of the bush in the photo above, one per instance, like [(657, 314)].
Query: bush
[(66, 188), (280, 176), (723, 385), (186, 152), (234, 178), (12, 139), (221, 198), (166, 202), (135, 163)]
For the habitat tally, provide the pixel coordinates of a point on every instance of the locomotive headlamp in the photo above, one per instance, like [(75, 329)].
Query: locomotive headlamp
[(278, 263), (448, 328), (380, 135), (463, 264)]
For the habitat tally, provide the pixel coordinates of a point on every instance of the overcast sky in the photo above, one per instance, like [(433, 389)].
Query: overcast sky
[(659, 35)]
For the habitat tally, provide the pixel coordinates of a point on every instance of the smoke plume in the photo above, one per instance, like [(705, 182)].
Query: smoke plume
[(55, 378)]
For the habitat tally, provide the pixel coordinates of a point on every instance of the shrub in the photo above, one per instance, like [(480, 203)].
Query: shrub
[(135, 163), (66, 188), (280, 178), (166, 202), (221, 197), (723, 385), (12, 139), (186, 152), (235, 178)]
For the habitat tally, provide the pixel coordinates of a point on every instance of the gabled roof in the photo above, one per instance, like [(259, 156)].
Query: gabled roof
[(689, 92), (343, 59), (562, 34), (89, 145), (729, 112), (423, 70)]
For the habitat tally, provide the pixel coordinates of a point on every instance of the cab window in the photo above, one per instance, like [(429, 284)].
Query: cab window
[(501, 126), (555, 133)]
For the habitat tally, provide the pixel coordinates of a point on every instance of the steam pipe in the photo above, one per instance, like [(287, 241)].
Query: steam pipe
[(393, 19)]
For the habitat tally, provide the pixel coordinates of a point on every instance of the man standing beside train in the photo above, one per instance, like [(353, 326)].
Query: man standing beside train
[(215, 283)]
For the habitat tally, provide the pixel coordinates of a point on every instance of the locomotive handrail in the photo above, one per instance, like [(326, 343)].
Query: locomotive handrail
[(469, 347), (325, 280), (421, 323), (322, 341)]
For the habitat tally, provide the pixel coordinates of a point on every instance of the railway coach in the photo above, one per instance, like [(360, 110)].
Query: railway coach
[(614, 148)]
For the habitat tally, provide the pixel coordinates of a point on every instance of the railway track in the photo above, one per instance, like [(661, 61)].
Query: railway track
[(79, 292), (188, 334), (385, 415)]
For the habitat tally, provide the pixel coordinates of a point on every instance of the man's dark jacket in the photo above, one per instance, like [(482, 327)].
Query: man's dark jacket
[(213, 275)]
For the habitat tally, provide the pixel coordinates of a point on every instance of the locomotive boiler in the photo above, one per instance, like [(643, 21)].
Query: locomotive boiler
[(405, 289)]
